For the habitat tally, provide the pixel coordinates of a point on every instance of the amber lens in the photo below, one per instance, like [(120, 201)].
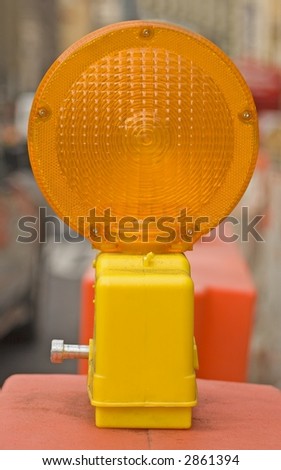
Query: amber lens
[(146, 119)]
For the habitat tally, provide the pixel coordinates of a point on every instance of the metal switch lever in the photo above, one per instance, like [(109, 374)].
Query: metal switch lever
[(61, 351)]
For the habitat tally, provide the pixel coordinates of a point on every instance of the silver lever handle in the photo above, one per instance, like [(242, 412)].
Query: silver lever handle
[(61, 351)]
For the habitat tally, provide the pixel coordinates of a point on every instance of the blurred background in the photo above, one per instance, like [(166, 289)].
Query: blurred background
[(40, 282)]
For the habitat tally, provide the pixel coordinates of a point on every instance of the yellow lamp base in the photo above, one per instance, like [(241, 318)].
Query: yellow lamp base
[(142, 359)]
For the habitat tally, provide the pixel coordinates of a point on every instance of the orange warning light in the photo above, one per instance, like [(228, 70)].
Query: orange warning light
[(149, 122)]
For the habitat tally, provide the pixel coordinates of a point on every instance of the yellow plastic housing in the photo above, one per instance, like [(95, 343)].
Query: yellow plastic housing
[(145, 119), (142, 360)]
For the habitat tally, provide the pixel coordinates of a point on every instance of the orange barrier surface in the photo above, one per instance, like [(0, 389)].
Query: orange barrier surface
[(53, 412), (224, 310)]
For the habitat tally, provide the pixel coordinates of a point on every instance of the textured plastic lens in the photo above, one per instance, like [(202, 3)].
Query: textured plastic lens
[(144, 119)]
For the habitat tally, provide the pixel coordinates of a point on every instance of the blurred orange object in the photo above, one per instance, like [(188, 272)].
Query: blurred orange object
[(224, 310)]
